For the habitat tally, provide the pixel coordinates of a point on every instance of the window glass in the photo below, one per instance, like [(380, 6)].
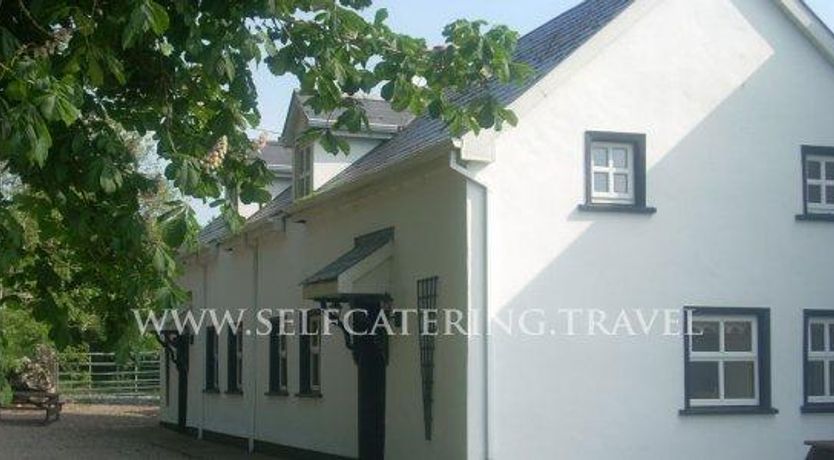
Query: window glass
[(620, 183), (814, 170), (620, 157), (738, 336), (831, 336), (829, 194), (739, 380), (831, 378), (703, 380), (600, 182), (816, 378), (829, 170), (817, 337), (600, 157), (705, 336), (814, 193)]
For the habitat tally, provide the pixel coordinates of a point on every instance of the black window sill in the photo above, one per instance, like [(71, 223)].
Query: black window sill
[(728, 410), (309, 394), (811, 217), (621, 208), (819, 408), (211, 391), (234, 392), (277, 393)]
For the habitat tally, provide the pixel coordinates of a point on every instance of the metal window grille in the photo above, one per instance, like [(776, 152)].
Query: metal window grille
[(427, 313)]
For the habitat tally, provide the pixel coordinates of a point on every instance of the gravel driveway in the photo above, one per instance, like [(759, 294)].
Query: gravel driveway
[(103, 432)]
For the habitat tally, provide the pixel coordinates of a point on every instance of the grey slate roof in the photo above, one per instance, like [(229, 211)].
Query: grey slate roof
[(543, 49), (379, 113), (216, 230), (277, 154), (213, 232), (363, 247)]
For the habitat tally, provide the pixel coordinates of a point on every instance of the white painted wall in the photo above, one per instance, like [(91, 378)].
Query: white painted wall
[(427, 210), (726, 91), (326, 165)]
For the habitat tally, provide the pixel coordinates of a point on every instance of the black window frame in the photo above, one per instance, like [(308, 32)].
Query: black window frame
[(812, 407), (805, 152), (212, 356), (278, 371), (167, 395), (234, 333), (305, 388), (638, 143), (762, 315)]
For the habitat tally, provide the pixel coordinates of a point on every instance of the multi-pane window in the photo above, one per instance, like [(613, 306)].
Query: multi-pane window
[(819, 365), (277, 358), (612, 173), (212, 359), (819, 183), (235, 358), (726, 357), (615, 165), (310, 350), (303, 171)]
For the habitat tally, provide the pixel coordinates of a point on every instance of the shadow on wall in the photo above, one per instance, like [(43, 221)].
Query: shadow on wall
[(724, 234)]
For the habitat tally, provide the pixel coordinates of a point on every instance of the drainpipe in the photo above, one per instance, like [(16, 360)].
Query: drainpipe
[(253, 383), (480, 362), (204, 267)]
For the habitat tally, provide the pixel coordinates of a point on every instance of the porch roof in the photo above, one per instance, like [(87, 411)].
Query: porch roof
[(346, 273)]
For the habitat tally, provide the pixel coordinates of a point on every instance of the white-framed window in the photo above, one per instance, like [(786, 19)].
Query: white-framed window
[(612, 173), (723, 360), (819, 374), (303, 171), (819, 183)]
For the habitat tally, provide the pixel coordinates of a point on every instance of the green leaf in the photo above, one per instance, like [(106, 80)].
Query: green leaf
[(116, 68), (175, 230), (67, 111), (16, 90), (380, 16), (110, 178), (159, 260), (328, 142), (135, 27), (47, 106), (157, 16), (8, 43), (94, 70)]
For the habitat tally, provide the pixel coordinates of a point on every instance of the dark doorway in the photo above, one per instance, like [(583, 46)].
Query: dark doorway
[(370, 353), (182, 343)]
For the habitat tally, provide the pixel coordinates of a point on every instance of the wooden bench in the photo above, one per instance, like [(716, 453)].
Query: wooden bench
[(23, 401)]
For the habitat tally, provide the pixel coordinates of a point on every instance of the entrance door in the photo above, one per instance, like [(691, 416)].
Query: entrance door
[(370, 359), (182, 381)]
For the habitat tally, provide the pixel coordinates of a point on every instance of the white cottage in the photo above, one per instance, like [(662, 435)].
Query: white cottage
[(671, 155)]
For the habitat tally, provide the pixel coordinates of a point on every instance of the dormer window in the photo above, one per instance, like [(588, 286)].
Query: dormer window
[(303, 171)]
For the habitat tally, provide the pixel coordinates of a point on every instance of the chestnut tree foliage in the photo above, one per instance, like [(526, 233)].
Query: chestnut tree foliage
[(81, 80)]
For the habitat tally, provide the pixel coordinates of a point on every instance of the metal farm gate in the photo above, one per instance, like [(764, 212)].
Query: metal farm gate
[(100, 377)]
